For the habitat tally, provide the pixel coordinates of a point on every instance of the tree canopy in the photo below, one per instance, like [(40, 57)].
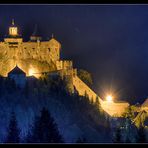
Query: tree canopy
[(85, 76)]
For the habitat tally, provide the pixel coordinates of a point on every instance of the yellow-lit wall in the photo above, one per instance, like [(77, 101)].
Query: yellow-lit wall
[(40, 55), (83, 88), (112, 108)]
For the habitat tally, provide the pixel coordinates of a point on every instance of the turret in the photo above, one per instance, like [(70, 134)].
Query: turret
[(54, 48), (35, 35), (13, 34), (13, 30)]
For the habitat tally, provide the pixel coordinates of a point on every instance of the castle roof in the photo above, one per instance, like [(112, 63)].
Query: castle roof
[(13, 24), (16, 70), (36, 34), (36, 31)]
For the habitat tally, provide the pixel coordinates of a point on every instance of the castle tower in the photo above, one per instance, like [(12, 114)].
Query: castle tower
[(55, 47), (13, 34), (13, 30), (35, 35)]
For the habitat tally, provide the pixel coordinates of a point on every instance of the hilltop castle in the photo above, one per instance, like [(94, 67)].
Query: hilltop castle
[(37, 57)]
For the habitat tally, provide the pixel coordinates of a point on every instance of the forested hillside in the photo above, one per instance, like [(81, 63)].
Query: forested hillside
[(77, 118)]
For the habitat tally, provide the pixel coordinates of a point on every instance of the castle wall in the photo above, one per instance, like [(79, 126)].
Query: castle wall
[(44, 51), (64, 64), (112, 108), (42, 56), (83, 89)]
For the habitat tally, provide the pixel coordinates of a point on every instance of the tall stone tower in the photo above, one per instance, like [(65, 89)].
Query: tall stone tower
[(13, 36)]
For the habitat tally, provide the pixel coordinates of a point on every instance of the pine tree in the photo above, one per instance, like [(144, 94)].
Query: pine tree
[(13, 130), (117, 138), (141, 137), (45, 129), (127, 140), (107, 124), (98, 105), (81, 140), (26, 89), (28, 138), (128, 129)]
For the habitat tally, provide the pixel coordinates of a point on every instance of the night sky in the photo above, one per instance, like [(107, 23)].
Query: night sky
[(109, 41)]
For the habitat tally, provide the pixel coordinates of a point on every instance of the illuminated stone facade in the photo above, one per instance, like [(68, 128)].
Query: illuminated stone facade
[(42, 56)]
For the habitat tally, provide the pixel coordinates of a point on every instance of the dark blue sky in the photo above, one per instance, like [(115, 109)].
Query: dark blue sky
[(110, 41)]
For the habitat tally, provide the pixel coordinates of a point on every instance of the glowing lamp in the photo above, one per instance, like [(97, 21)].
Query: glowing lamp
[(109, 98), (31, 72)]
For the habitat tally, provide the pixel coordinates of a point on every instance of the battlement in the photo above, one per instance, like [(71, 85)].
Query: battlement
[(66, 64)]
